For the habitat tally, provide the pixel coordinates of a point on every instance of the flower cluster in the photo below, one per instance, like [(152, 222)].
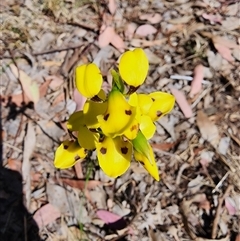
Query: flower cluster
[(118, 124)]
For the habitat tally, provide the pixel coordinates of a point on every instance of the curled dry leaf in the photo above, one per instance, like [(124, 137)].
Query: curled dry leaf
[(151, 17), (145, 30), (208, 130), (196, 84), (182, 102), (29, 86), (46, 214), (112, 6)]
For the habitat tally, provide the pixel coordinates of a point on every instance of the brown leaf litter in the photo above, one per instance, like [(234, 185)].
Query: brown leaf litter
[(193, 50)]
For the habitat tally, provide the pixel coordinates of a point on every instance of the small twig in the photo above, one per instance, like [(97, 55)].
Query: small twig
[(220, 183), (57, 50), (188, 78), (218, 211)]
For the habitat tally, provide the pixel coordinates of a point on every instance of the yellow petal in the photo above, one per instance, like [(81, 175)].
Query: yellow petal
[(91, 110), (147, 126), (131, 132), (75, 120), (114, 156), (67, 154), (133, 67), (163, 103), (87, 138), (88, 80), (149, 165), (144, 102), (118, 117)]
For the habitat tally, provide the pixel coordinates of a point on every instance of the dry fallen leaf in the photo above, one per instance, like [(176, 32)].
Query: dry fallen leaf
[(112, 6), (230, 205), (46, 214), (151, 17), (130, 29), (238, 237), (18, 99), (145, 30), (79, 99), (15, 165), (208, 130), (118, 42), (108, 217), (196, 84), (212, 18), (55, 81), (182, 102), (224, 51), (105, 37), (164, 146), (81, 184), (29, 86), (224, 41)]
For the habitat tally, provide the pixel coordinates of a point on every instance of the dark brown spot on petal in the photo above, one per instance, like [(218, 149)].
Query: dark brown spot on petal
[(106, 116), (142, 163), (153, 99), (103, 150), (159, 113), (124, 150), (128, 112), (65, 147), (76, 158), (134, 127)]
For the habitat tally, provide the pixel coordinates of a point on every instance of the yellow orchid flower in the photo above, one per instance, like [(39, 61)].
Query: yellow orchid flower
[(149, 165), (133, 67), (88, 80), (114, 156), (119, 115), (87, 138), (162, 104), (68, 153), (145, 102)]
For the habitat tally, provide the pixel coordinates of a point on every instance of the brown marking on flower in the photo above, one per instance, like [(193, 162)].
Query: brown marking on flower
[(159, 113), (134, 127), (141, 162), (77, 157), (124, 150), (103, 150), (106, 117), (128, 112), (153, 99), (65, 147)]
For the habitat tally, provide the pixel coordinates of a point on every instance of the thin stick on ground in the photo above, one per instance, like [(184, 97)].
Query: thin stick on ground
[(218, 211)]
